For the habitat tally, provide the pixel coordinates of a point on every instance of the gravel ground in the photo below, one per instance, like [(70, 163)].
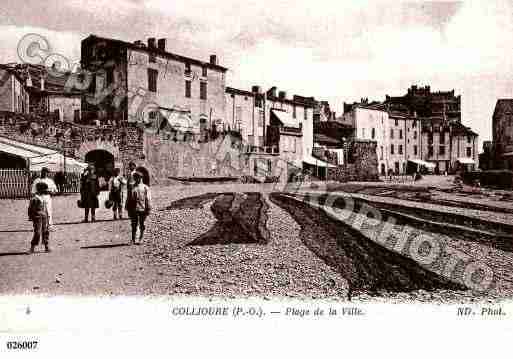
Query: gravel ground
[(284, 267), (500, 262), (167, 264)]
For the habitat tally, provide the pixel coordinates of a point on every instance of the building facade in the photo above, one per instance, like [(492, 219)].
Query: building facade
[(270, 122), (14, 97), (502, 123), (405, 140), (137, 82)]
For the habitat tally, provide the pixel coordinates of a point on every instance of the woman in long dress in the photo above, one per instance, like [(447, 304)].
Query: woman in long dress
[(89, 191)]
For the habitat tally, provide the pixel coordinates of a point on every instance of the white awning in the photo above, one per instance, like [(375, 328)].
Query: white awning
[(466, 161), (56, 163), (178, 121), (38, 157), (286, 119), (422, 163), (16, 151), (311, 160), (37, 150)]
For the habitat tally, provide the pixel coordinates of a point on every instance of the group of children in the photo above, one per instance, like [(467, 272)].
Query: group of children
[(138, 204)]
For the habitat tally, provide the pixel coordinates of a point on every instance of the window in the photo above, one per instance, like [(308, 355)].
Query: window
[(414, 124), (400, 149), (401, 134), (414, 135), (152, 57), (381, 157), (392, 149), (188, 88), (442, 137), (152, 115), (258, 102), (92, 87), (187, 68), (469, 151), (363, 132), (293, 111), (203, 90), (305, 114), (110, 76), (260, 118), (152, 80), (397, 122), (468, 139), (415, 150), (441, 150), (204, 71), (430, 151), (76, 116), (392, 134), (397, 167), (373, 134)]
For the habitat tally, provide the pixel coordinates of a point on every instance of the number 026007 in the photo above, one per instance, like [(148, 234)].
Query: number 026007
[(25, 345)]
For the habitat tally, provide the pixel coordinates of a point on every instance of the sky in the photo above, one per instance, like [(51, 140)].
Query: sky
[(334, 50)]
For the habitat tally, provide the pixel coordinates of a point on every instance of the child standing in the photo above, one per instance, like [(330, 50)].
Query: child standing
[(39, 215), (116, 193), (138, 206)]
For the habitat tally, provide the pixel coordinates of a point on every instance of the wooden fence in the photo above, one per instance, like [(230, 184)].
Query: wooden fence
[(17, 183)]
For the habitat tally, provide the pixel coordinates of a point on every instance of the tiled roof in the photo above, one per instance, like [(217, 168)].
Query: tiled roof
[(157, 51)]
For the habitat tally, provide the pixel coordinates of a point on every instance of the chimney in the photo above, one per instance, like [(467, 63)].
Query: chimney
[(213, 59), (255, 89), (162, 44), (272, 92), (151, 42), (282, 95)]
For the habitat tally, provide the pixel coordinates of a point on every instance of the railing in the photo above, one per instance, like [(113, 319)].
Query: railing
[(14, 183), (17, 183)]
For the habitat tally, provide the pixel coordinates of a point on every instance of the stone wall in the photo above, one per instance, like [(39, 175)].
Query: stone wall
[(362, 163)]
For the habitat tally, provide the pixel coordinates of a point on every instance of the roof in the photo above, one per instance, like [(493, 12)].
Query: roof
[(157, 51), (311, 160), (324, 139), (12, 71), (503, 106), (39, 156), (235, 91), (55, 81), (294, 101), (285, 118)]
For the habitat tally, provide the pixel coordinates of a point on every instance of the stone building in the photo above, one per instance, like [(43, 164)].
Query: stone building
[(138, 82), (42, 92), (14, 97), (444, 141), (449, 145), (425, 103), (270, 122), (502, 123)]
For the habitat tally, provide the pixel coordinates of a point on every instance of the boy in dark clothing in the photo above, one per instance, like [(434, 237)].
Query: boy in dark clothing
[(38, 214)]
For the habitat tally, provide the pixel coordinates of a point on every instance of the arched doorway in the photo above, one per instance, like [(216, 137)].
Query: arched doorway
[(103, 162), (145, 173)]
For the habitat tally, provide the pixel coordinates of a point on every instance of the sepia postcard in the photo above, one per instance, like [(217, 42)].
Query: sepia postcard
[(285, 178)]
